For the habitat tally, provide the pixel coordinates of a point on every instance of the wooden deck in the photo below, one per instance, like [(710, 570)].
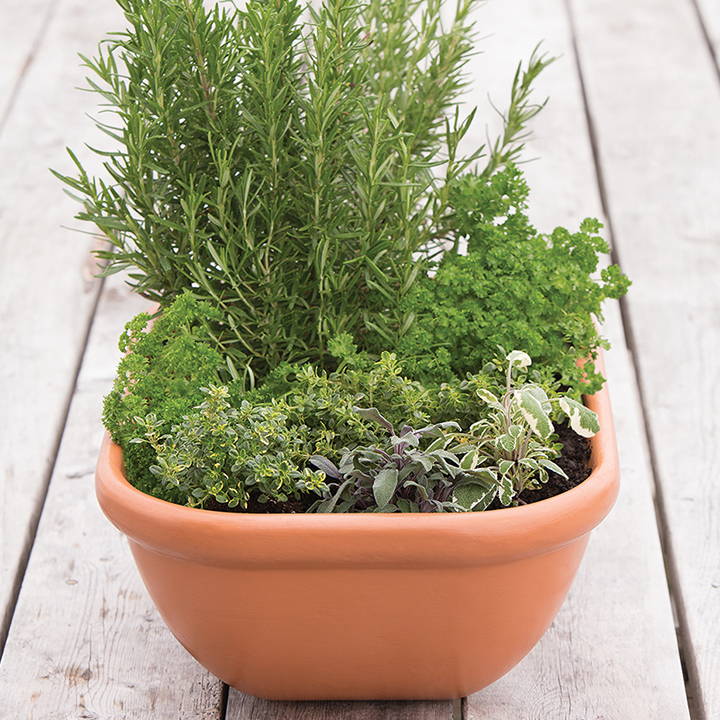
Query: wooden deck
[(631, 134)]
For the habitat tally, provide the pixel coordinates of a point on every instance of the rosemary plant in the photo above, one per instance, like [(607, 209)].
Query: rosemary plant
[(293, 172)]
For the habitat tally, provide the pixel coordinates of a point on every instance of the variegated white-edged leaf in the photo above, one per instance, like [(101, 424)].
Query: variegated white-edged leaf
[(437, 430), (469, 461), (529, 463), (437, 444), (533, 413), (485, 474), (550, 465), (475, 496), (504, 466), (489, 398), (582, 420), (479, 425), (460, 448), (515, 431), (519, 358), (506, 491), (506, 442), (540, 395)]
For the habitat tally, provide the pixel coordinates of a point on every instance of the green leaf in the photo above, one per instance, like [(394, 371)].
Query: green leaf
[(506, 492), (550, 465), (374, 415), (528, 463), (537, 392), (533, 413), (488, 397), (507, 442), (326, 466), (505, 466), (327, 506), (423, 490), (485, 474), (475, 495), (384, 486), (469, 461), (437, 444), (582, 420), (519, 358), (515, 431)]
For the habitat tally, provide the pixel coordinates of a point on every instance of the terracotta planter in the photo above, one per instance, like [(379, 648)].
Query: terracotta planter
[(371, 606)]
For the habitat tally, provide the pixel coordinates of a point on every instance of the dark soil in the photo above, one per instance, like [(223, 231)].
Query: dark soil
[(574, 460), (270, 507)]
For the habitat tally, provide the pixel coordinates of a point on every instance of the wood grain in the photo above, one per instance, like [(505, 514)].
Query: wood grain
[(655, 100), (611, 652), (86, 641), (22, 24), (47, 284), (244, 707)]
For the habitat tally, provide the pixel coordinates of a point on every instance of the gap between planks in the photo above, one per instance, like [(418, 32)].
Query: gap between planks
[(86, 640), (708, 17), (34, 520)]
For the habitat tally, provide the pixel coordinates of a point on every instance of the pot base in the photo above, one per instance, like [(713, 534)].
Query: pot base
[(360, 634)]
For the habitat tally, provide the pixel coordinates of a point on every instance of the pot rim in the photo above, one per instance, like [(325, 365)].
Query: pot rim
[(300, 540)]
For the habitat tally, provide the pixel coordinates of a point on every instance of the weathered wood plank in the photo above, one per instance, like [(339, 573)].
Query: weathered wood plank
[(245, 707), (86, 641), (47, 288), (22, 24), (611, 652), (655, 100)]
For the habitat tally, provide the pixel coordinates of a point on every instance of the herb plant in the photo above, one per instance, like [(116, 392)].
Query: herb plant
[(286, 183), (514, 288), (166, 362), (442, 468), (295, 175), (406, 473), (191, 439), (231, 455), (511, 448)]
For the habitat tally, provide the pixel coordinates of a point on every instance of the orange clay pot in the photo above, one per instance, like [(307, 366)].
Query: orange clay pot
[(361, 606)]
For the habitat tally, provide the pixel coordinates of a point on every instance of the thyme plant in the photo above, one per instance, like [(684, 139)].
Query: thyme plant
[(231, 455), (293, 174)]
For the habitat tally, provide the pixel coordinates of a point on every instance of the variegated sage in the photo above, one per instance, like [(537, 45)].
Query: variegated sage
[(511, 447)]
